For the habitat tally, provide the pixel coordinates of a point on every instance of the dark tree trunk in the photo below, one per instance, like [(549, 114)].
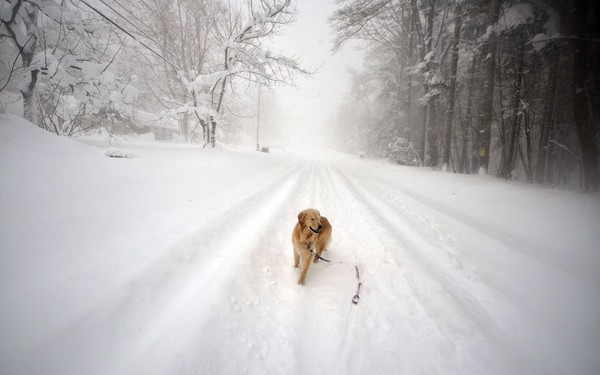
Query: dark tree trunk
[(426, 48), (27, 53), (424, 136), (433, 134), (452, 86), (581, 105), (213, 129), (473, 157), (29, 98), (485, 123), (542, 160), (528, 159), (515, 132), (410, 62), (425, 42)]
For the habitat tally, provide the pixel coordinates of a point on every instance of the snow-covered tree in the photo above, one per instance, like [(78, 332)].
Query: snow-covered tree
[(491, 88), (204, 47), (20, 32), (241, 35), (179, 45), (64, 65)]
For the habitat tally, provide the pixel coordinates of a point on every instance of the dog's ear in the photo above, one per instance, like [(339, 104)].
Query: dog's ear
[(301, 217)]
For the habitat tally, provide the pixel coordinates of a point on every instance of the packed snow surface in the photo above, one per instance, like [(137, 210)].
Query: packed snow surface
[(178, 260)]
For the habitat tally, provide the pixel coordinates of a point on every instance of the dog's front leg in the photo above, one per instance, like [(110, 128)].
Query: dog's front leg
[(305, 266), (318, 252), (296, 258)]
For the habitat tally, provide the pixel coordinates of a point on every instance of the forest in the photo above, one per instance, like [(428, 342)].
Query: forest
[(507, 88)]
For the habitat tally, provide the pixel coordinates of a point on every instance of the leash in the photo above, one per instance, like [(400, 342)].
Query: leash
[(356, 297), (317, 255)]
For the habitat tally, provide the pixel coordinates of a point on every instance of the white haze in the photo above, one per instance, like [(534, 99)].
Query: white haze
[(306, 111)]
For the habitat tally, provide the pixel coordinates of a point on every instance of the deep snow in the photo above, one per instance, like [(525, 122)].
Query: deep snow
[(178, 260)]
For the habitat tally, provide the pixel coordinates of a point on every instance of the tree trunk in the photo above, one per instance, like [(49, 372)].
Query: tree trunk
[(528, 162), (409, 99), (185, 127), (425, 48), (432, 137), (213, 122), (581, 107), (213, 128), (542, 160), (487, 103), (27, 53), (29, 111), (424, 136), (200, 119), (500, 123), (204, 130), (473, 155), (452, 86), (515, 132), (399, 124)]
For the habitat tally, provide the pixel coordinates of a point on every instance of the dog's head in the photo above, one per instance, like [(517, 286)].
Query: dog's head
[(311, 219)]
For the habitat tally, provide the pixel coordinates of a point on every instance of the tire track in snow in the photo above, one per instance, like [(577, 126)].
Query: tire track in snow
[(500, 273), (149, 306), (387, 324), (444, 287), (282, 327), (245, 224), (281, 323), (293, 328), (353, 339), (512, 243), (323, 309)]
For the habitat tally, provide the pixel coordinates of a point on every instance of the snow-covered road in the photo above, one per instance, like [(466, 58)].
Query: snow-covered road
[(179, 261)]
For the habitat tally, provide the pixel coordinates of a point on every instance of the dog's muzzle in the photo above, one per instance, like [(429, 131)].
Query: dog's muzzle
[(316, 230)]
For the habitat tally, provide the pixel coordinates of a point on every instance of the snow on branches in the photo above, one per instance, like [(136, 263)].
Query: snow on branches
[(241, 36), (243, 46)]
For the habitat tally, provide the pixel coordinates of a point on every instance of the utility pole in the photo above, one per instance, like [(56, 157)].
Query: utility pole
[(258, 121)]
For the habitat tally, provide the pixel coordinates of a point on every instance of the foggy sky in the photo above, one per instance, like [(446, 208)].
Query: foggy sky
[(305, 110)]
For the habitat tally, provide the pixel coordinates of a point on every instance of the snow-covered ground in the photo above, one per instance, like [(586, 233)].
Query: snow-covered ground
[(178, 260)]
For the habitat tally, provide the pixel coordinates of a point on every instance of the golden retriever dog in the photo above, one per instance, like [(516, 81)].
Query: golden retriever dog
[(312, 232)]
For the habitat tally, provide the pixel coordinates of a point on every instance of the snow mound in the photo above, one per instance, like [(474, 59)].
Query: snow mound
[(21, 138), (118, 154)]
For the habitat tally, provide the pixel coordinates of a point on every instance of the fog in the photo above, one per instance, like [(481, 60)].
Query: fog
[(306, 111)]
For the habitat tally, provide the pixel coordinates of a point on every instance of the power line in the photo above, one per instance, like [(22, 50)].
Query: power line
[(164, 49), (130, 35), (133, 15)]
